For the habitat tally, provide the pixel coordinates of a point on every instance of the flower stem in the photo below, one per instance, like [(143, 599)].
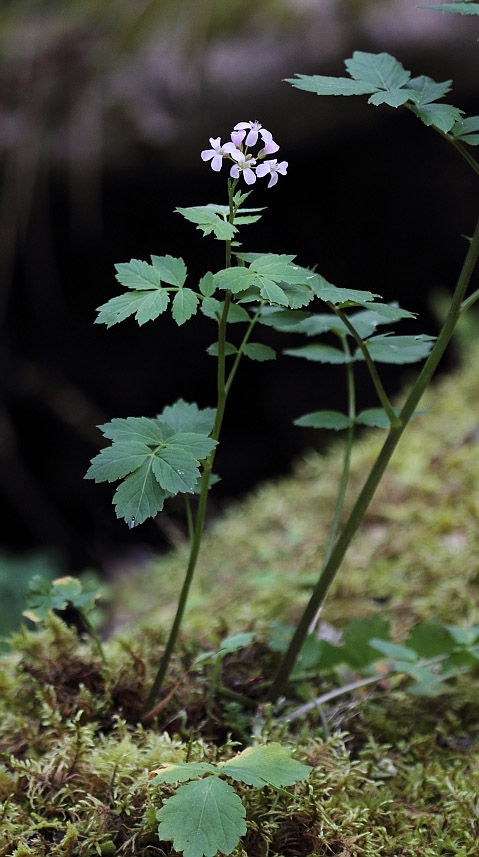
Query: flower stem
[(329, 571)]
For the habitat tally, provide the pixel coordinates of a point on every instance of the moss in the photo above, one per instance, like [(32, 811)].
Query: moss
[(400, 774)]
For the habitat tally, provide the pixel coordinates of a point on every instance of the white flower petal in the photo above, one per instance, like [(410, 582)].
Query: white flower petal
[(234, 172), (216, 163), (215, 142), (262, 170), (251, 138), (241, 125), (207, 154), (273, 179), (249, 176)]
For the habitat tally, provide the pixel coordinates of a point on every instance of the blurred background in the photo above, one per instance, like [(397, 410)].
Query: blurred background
[(105, 106)]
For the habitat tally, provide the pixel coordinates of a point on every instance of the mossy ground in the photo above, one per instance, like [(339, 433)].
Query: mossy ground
[(399, 777)]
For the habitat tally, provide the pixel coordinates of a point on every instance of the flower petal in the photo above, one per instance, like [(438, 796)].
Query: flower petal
[(215, 142), (238, 137), (251, 137), (216, 163), (273, 179), (240, 125), (249, 176), (234, 172), (262, 170), (207, 154)]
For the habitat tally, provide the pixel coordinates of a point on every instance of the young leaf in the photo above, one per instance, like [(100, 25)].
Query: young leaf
[(324, 420), (257, 351), (138, 275), (172, 270), (319, 353), (467, 131), (181, 772), (184, 306), (188, 417), (265, 764), (45, 595), (397, 349), (208, 221), (202, 818), (145, 306), (206, 285), (212, 349), (139, 496)]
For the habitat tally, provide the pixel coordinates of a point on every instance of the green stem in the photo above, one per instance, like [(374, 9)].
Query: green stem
[(189, 518), (470, 301), (460, 147), (329, 571), (95, 636), (370, 364), (239, 353)]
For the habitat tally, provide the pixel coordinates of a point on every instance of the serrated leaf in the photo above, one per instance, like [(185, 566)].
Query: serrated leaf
[(213, 349), (388, 312), (184, 306), (462, 8), (171, 269), (382, 71), (265, 764), (298, 295), (393, 650), (206, 285), (325, 420), (428, 90), (144, 429), (378, 418), (467, 130), (279, 267), (181, 772), (208, 221), (139, 496), (442, 116), (146, 306), (188, 417), (258, 351), (45, 595), (244, 219), (327, 292), (397, 349), (197, 444), (319, 353), (138, 275), (283, 319), (391, 97), (235, 279), (117, 461), (322, 323), (211, 308), (175, 469), (202, 818), (322, 84), (271, 292)]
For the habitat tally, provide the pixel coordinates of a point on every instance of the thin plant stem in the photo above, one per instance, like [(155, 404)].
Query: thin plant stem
[(328, 573), (195, 540), (370, 364), (239, 353), (338, 510), (458, 145), (470, 301), (95, 636), (189, 518)]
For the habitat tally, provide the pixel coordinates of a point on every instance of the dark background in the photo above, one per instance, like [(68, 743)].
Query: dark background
[(104, 109)]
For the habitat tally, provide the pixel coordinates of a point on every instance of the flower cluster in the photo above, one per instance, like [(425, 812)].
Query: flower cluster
[(243, 136)]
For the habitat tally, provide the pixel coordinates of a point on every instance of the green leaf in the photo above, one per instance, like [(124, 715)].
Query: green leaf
[(319, 353), (145, 306), (213, 349), (429, 639), (208, 221), (227, 647), (265, 764), (298, 295), (139, 496), (257, 351), (356, 649), (188, 417), (206, 285), (175, 469), (271, 292), (202, 818), (381, 71), (376, 417), (397, 349), (462, 636), (327, 292), (117, 461), (467, 130), (143, 429), (464, 8), (212, 308), (237, 314), (171, 269), (283, 319), (324, 420), (442, 116), (393, 650), (181, 772), (45, 595), (184, 306), (384, 313), (322, 84), (194, 443), (235, 279), (138, 275)]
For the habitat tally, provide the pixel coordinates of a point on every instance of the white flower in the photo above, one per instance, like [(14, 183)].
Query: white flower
[(238, 137), (270, 147), (272, 168), (244, 165), (252, 136), (217, 153)]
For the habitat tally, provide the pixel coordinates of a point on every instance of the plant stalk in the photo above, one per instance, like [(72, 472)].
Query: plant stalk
[(329, 571)]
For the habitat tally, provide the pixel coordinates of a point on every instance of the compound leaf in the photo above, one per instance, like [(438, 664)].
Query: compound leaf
[(381, 71), (203, 817), (467, 130), (184, 305), (271, 292), (324, 420), (145, 306), (208, 221), (236, 279), (258, 351), (171, 269), (267, 764)]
